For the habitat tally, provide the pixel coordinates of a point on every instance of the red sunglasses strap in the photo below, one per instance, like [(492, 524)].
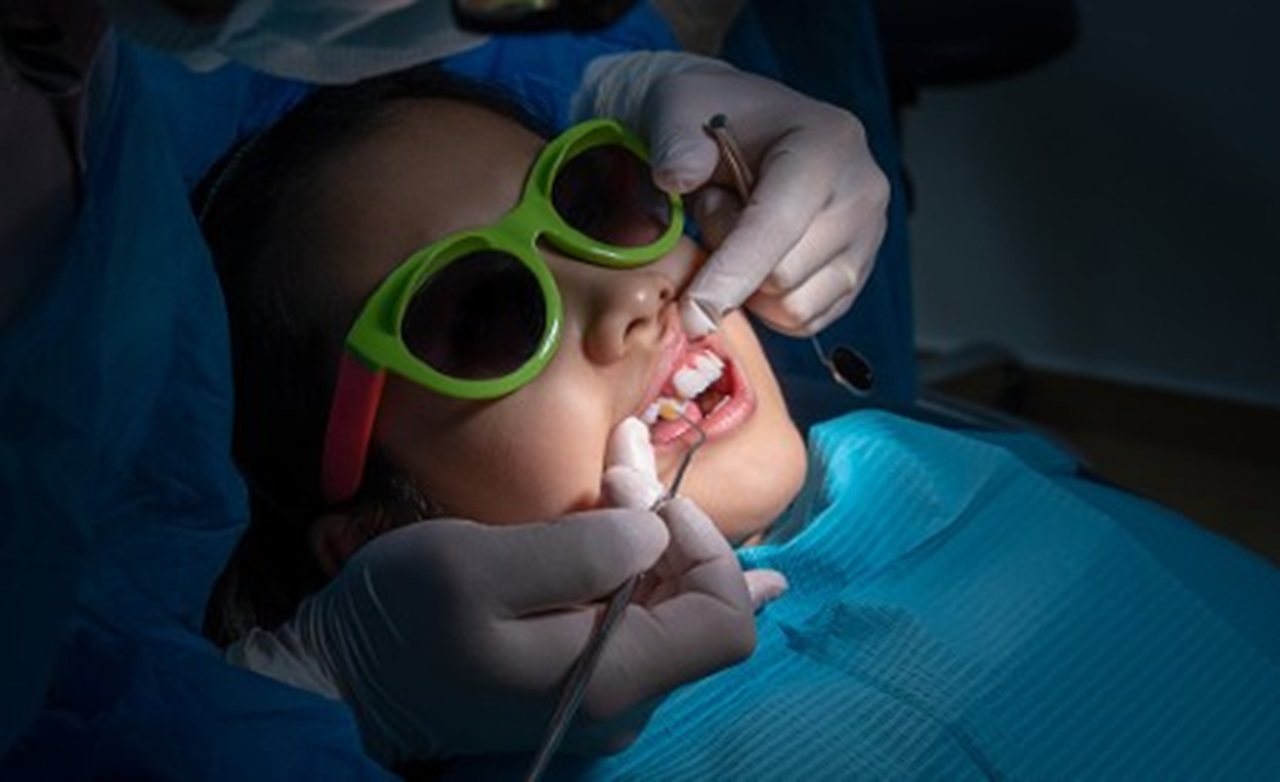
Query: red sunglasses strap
[(350, 428)]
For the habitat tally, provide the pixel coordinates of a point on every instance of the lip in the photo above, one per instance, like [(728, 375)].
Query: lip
[(676, 348)]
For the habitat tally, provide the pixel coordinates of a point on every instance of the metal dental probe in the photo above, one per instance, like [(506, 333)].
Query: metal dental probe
[(731, 158), (575, 687), (731, 154), (847, 366)]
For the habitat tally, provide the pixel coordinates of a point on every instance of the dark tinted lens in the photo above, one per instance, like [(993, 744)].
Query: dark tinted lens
[(480, 317), (608, 194)]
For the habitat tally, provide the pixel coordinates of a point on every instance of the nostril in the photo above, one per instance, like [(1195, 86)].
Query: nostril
[(666, 287), (628, 308), (636, 311), (648, 304)]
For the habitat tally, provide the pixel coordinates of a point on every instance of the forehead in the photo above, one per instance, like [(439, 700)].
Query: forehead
[(430, 168)]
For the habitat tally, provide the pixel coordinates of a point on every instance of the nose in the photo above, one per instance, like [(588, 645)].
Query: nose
[(618, 310)]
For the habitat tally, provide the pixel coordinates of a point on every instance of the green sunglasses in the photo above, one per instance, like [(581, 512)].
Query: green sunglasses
[(477, 314)]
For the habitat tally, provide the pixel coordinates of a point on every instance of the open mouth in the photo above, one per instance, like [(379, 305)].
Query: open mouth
[(703, 385)]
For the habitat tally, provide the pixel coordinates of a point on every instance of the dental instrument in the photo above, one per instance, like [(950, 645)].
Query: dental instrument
[(575, 687), (731, 155), (847, 366)]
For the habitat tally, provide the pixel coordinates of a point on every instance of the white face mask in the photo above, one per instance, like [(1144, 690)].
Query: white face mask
[(321, 41)]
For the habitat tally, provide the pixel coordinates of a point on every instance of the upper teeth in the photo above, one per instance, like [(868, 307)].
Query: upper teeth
[(690, 381)]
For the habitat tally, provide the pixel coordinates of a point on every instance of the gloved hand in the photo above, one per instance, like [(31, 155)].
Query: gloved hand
[(447, 637), (631, 481), (803, 248)]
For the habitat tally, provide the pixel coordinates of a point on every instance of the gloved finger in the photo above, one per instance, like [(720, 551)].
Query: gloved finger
[(629, 446), (626, 487), (708, 624), (588, 736), (576, 559), (793, 189), (811, 306), (631, 472), (826, 243), (695, 540), (535, 653), (765, 586), (715, 210), (682, 156), (829, 244)]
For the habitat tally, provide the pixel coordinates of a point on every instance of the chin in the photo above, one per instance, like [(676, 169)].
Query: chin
[(747, 492)]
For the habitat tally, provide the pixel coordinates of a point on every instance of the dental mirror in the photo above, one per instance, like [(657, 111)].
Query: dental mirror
[(847, 366)]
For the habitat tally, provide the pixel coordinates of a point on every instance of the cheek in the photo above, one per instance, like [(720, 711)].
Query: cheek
[(553, 465), (745, 483), (532, 456)]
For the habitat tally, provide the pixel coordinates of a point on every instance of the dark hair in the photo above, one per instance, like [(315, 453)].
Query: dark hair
[(252, 209)]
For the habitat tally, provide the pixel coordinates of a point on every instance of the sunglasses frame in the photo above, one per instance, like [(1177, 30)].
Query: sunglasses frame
[(374, 345)]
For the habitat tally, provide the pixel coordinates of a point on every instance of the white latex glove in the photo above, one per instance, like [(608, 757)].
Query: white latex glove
[(447, 637), (803, 248), (631, 481)]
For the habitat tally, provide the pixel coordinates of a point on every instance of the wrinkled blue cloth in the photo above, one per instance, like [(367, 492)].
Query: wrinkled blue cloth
[(965, 607), (117, 480)]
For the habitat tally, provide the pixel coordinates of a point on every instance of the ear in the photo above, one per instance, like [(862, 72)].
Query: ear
[(335, 538)]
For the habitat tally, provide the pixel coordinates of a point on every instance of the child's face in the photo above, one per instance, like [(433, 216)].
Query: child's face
[(538, 453)]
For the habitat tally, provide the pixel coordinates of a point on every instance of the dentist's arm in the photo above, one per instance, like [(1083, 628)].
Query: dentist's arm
[(447, 637), (803, 248)]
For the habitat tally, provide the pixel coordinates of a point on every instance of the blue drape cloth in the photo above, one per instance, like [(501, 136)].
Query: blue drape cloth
[(966, 607)]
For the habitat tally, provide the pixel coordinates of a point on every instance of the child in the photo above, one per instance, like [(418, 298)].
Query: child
[(960, 607), (363, 195)]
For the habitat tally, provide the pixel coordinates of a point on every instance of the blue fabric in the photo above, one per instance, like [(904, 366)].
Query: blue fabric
[(966, 607), (208, 113), (544, 70), (117, 475), (829, 49)]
